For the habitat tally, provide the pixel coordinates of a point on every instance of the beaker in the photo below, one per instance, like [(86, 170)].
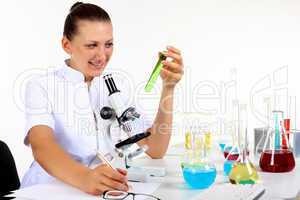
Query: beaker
[(198, 170), (276, 155), (243, 171)]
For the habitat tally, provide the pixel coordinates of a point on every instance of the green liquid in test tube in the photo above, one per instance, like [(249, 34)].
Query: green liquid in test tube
[(155, 73)]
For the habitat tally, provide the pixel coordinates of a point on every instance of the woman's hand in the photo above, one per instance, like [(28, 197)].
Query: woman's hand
[(103, 178), (172, 71)]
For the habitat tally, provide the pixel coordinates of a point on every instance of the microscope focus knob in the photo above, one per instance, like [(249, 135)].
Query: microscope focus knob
[(107, 113)]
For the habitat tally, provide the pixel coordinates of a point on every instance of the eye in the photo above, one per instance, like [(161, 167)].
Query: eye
[(109, 45), (91, 46)]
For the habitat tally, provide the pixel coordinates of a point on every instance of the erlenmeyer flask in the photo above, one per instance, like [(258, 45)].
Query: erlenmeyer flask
[(277, 156), (243, 171), (232, 152)]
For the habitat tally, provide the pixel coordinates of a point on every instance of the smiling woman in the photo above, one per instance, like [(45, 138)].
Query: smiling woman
[(88, 39), (61, 108)]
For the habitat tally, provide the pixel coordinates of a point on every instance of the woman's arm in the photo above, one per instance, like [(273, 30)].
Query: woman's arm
[(161, 129), (49, 154)]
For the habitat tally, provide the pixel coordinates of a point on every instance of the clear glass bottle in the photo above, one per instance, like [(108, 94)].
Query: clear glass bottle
[(243, 171)]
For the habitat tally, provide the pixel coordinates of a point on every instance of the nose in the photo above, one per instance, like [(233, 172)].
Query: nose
[(101, 53)]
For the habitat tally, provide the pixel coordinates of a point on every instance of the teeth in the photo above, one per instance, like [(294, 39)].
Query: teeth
[(96, 64)]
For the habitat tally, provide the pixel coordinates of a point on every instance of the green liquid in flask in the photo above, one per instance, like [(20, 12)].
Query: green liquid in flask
[(243, 173)]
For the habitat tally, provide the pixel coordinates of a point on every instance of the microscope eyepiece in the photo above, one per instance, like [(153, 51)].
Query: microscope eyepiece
[(110, 83)]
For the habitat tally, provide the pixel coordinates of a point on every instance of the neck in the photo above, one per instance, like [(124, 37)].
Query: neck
[(87, 79), (88, 83)]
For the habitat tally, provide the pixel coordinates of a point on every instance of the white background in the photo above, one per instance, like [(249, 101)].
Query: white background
[(259, 39)]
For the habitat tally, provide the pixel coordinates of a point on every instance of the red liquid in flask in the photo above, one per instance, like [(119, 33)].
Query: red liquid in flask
[(234, 155), (284, 161)]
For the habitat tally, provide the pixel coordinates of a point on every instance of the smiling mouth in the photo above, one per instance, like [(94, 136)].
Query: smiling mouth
[(95, 64)]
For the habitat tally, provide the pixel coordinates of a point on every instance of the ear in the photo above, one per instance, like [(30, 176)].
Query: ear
[(66, 45)]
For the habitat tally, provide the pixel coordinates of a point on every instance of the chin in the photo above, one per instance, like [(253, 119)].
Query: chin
[(96, 73)]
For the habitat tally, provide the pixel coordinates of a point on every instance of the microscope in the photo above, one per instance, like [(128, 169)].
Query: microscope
[(120, 135)]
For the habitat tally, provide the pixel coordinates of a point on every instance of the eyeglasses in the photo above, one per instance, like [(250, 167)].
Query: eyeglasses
[(119, 195)]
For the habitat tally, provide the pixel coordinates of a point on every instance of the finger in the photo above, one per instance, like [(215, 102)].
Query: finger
[(175, 56), (122, 171), (114, 174), (111, 173), (99, 189), (102, 188), (173, 49), (114, 184), (171, 75), (174, 67)]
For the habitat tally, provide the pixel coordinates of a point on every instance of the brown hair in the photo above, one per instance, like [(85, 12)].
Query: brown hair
[(83, 11)]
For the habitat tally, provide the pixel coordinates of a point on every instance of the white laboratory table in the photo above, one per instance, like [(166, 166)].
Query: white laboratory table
[(278, 186)]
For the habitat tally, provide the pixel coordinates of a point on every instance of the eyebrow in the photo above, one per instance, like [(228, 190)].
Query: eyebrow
[(93, 41)]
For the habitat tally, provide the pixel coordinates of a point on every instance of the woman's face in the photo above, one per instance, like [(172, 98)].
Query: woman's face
[(90, 48)]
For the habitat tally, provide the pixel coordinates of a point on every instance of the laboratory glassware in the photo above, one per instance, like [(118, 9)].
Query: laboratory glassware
[(198, 170), (243, 171), (277, 156)]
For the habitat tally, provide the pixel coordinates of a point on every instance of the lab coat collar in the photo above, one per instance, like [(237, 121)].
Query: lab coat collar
[(71, 74), (74, 75)]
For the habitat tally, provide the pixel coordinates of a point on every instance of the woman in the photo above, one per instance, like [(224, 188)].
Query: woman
[(60, 105)]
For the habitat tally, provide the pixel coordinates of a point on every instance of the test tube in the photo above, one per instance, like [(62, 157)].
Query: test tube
[(155, 72)]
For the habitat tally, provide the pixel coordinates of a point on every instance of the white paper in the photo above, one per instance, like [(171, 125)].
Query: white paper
[(60, 191)]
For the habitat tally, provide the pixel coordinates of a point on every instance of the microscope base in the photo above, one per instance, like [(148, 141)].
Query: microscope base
[(137, 177), (142, 174)]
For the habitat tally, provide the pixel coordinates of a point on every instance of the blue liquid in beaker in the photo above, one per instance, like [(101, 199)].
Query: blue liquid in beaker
[(199, 176), (227, 167)]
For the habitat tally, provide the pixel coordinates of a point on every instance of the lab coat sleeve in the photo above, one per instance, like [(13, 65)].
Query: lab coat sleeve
[(38, 110)]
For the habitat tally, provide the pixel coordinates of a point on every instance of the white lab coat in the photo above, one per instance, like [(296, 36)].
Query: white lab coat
[(62, 101)]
